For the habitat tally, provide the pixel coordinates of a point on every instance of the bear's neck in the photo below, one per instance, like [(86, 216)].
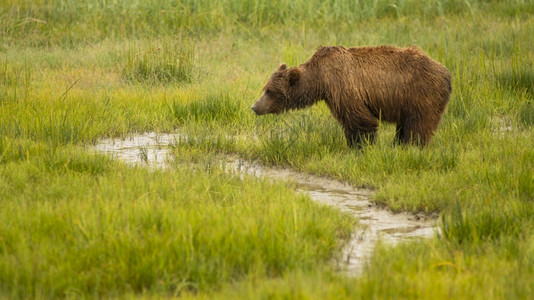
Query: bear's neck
[(304, 94)]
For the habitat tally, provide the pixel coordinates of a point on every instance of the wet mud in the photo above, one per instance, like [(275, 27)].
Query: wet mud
[(375, 223)]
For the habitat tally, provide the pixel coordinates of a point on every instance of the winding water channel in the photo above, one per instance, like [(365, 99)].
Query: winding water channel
[(375, 223)]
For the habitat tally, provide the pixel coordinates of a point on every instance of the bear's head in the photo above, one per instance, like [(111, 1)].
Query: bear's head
[(276, 94)]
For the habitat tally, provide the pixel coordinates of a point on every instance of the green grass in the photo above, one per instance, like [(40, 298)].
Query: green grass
[(164, 63), (125, 230), (78, 224)]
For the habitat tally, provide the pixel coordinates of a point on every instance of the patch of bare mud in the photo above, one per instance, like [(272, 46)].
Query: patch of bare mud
[(377, 223)]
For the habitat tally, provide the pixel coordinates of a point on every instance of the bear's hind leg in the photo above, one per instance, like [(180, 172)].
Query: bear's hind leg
[(415, 131)]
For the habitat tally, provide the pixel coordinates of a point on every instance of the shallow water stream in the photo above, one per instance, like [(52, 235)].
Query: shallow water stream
[(152, 149)]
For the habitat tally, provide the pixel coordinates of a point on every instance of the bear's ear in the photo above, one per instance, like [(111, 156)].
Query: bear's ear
[(294, 75), (281, 67)]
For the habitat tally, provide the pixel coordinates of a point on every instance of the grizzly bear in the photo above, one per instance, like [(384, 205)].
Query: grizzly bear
[(362, 86)]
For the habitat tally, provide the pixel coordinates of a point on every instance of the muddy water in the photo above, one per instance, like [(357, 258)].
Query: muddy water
[(148, 149), (151, 150)]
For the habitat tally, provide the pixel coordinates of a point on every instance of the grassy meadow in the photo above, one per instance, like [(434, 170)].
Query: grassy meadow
[(79, 224)]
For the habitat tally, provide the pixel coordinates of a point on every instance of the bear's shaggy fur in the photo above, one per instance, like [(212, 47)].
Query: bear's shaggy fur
[(362, 85)]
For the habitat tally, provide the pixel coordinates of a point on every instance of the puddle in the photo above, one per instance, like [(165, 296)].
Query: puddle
[(151, 150)]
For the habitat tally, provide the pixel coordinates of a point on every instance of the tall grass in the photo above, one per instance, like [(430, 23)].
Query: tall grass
[(131, 230), (219, 108), (160, 63), (52, 22)]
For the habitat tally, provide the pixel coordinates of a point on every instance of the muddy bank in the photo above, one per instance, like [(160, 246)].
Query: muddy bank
[(151, 150)]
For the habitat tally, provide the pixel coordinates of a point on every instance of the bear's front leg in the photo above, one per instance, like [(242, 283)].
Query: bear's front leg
[(358, 137), (358, 123)]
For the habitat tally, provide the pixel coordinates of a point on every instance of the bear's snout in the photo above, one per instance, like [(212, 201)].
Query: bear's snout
[(254, 109), (263, 106), (259, 107), (257, 110)]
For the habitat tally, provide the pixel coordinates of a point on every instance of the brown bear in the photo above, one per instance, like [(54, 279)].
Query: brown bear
[(363, 85)]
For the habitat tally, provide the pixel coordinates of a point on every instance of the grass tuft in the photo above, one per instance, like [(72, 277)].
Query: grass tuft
[(215, 107), (485, 222), (526, 114), (161, 62), (520, 81)]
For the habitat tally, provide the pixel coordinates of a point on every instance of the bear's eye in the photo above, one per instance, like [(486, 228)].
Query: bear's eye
[(268, 92)]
